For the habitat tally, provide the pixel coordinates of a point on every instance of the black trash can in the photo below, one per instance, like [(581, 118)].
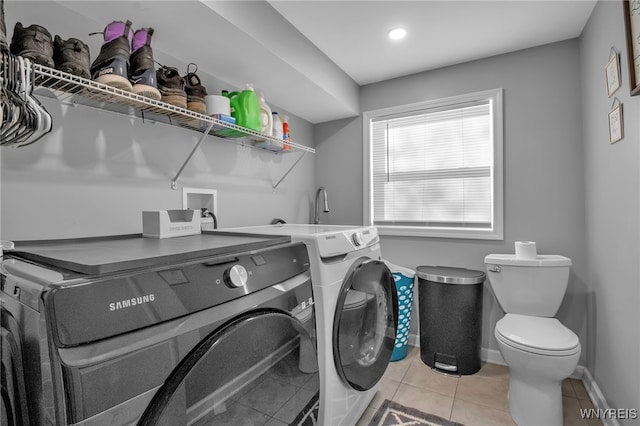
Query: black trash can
[(450, 302)]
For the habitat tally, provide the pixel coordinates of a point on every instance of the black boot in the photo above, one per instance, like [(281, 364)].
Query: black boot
[(71, 56), (33, 42)]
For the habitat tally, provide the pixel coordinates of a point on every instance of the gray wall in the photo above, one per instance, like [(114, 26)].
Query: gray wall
[(97, 171), (612, 182), (544, 188)]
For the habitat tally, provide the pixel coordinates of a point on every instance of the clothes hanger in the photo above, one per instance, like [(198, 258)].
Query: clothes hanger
[(24, 120), (42, 123)]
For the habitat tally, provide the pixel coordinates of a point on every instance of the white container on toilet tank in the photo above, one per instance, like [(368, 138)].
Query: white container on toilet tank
[(526, 250)]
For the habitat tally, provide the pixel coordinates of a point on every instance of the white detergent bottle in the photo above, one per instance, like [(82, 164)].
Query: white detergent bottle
[(266, 118), (277, 132), (277, 126)]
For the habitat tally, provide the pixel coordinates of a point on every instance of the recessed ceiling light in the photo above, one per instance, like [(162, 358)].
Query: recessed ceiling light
[(397, 33)]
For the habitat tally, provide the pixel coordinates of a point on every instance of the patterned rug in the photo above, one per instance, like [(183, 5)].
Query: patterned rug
[(309, 414), (393, 414)]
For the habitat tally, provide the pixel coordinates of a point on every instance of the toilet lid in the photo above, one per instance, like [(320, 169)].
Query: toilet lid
[(546, 336)]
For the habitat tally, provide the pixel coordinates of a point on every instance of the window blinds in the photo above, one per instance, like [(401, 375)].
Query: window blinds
[(434, 167)]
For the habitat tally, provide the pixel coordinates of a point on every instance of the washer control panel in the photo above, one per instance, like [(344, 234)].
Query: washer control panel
[(105, 306), (236, 276), (346, 241)]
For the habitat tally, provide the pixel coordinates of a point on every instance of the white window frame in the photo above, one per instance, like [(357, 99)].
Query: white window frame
[(496, 231)]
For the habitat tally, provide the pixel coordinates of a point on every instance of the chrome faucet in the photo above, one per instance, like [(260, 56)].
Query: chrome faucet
[(321, 190)]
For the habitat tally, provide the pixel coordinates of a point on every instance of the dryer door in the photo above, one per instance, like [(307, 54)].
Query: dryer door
[(13, 404), (260, 367), (365, 322)]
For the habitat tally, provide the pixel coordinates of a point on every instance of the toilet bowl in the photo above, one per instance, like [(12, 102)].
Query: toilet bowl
[(540, 353)]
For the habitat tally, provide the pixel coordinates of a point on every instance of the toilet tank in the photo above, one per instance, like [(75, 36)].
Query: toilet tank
[(528, 286)]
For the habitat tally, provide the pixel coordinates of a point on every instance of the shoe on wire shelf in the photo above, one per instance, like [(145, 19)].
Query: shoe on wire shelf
[(171, 86), (195, 91), (33, 42), (142, 72), (71, 56), (112, 64)]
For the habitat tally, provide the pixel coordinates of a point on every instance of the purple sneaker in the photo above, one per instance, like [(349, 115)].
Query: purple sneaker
[(111, 66), (142, 72)]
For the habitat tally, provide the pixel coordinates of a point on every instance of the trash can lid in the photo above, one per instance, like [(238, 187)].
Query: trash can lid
[(448, 275)]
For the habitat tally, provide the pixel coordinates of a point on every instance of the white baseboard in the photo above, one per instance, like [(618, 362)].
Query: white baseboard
[(487, 355), (596, 396), (492, 355), (414, 340)]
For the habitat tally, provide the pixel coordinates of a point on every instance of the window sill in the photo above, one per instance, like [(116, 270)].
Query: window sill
[(410, 231)]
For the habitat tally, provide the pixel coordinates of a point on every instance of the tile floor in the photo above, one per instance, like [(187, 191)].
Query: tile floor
[(474, 400)]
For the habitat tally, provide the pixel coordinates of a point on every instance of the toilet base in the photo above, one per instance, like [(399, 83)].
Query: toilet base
[(535, 403)]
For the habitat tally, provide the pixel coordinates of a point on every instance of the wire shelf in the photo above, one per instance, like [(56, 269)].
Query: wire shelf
[(73, 89)]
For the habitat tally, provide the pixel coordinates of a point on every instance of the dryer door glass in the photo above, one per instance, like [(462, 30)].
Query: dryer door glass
[(365, 323), (261, 367)]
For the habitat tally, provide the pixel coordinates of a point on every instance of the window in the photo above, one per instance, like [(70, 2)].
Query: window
[(435, 168)]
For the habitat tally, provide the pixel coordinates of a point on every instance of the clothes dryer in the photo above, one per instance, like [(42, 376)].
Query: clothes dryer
[(215, 328), (356, 307)]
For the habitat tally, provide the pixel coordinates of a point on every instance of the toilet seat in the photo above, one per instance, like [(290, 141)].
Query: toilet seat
[(538, 335)]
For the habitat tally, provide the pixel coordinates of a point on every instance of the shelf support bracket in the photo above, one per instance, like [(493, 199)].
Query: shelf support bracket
[(289, 171), (174, 182)]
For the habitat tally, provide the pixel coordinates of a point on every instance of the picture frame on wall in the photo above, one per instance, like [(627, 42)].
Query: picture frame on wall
[(632, 33), (616, 127), (612, 73)]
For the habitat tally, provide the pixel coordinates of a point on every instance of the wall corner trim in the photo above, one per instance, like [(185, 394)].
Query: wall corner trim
[(596, 395)]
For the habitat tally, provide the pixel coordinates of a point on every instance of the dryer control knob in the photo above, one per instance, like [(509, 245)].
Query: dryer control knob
[(236, 276), (357, 239)]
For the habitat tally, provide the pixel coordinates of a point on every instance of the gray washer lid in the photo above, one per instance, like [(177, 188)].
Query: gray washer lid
[(447, 275)]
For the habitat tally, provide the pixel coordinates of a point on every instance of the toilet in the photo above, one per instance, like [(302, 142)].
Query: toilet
[(539, 350)]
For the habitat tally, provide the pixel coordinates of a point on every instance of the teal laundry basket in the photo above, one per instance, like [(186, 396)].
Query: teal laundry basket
[(404, 279)]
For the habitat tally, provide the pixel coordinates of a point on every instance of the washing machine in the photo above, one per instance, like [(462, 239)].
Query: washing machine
[(356, 307), (217, 328)]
